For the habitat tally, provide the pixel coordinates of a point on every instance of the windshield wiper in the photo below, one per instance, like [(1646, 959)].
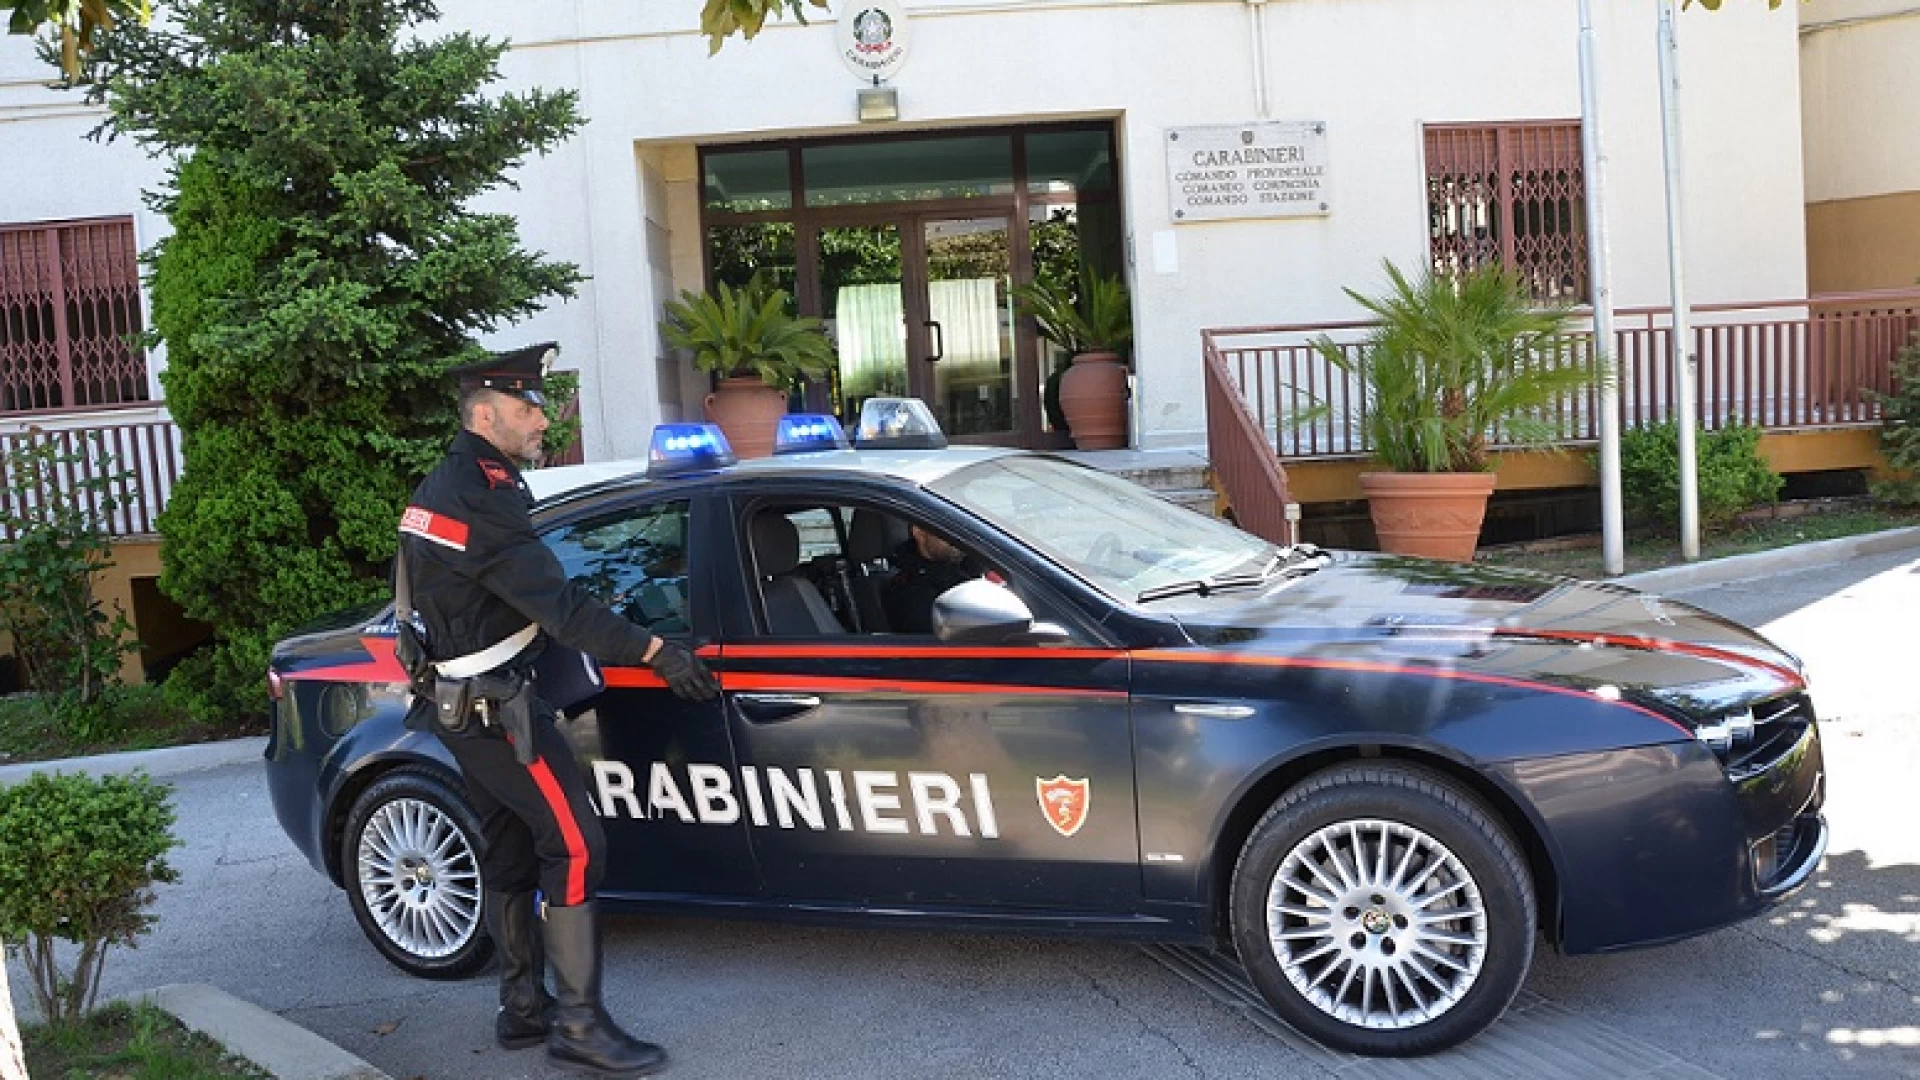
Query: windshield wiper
[(1294, 557)]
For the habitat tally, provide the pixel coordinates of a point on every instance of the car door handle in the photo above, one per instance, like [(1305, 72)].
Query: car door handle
[(1214, 710), (773, 708)]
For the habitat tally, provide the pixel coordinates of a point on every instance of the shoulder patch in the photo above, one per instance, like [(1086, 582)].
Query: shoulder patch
[(439, 528), (496, 473)]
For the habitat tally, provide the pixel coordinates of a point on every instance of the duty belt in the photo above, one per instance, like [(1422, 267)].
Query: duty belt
[(476, 663)]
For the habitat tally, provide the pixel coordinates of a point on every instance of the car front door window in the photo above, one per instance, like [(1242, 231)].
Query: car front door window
[(634, 561)]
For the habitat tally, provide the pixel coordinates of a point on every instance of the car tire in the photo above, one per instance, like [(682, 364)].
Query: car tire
[(410, 856), (1328, 898)]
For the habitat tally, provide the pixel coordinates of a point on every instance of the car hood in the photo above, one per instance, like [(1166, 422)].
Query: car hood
[(1502, 622)]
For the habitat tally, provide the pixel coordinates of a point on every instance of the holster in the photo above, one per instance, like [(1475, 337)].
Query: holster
[(420, 674), (508, 698)]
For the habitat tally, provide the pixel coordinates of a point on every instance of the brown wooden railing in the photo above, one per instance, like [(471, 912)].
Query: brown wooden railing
[(1780, 365), (1242, 460), (142, 457)]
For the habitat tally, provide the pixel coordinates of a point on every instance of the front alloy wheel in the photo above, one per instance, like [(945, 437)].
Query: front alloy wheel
[(1382, 910)]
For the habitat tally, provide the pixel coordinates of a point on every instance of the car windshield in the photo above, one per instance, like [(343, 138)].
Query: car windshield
[(1115, 534)]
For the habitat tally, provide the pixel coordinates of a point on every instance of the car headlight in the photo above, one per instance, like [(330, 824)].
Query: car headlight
[(1727, 732)]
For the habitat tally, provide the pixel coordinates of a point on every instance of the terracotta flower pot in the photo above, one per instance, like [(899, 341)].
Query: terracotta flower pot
[(748, 412), (1436, 515), (1093, 394)]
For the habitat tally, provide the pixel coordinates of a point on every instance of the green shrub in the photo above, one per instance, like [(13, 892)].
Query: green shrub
[(79, 857), (63, 635), (1732, 475), (1900, 431)]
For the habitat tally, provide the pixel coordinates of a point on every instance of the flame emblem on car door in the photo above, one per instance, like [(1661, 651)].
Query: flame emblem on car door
[(1064, 802)]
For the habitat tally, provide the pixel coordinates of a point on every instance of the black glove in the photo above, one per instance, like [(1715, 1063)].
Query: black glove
[(685, 675)]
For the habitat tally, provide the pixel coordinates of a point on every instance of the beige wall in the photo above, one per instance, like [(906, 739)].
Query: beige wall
[(131, 559), (1859, 81), (1868, 243)]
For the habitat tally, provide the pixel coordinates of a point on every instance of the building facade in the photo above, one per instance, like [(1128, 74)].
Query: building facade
[(1011, 141), (1039, 134), (1859, 82)]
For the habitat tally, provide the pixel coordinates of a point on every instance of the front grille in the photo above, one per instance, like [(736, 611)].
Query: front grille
[(1778, 725)]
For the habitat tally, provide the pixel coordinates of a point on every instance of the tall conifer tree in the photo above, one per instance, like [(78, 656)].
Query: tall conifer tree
[(323, 273)]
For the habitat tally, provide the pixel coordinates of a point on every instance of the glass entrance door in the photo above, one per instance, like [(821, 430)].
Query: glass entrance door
[(863, 301), (969, 326), (921, 306)]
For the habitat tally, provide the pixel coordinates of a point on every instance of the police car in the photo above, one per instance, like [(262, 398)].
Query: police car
[(1376, 780)]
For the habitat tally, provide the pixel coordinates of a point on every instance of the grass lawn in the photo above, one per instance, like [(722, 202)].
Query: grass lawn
[(40, 728), (130, 1043), (1652, 553)]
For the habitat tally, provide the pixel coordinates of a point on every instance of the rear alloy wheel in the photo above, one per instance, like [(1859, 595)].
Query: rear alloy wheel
[(1382, 909), (412, 862)]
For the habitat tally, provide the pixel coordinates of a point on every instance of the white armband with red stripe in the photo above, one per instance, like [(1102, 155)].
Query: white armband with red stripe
[(439, 528)]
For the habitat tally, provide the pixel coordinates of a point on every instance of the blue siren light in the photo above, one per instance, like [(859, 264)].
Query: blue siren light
[(898, 424), (808, 433), (678, 449)]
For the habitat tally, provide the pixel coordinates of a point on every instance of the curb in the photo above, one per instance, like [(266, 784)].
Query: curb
[(278, 1045), (1760, 564), (167, 761)]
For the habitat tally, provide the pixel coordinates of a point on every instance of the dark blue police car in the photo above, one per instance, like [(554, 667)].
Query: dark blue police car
[(1379, 780)]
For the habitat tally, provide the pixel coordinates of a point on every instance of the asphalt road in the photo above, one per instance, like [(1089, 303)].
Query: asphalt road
[(1827, 986)]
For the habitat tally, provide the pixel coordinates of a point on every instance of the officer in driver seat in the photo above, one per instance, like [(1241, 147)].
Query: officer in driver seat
[(928, 566), (487, 594)]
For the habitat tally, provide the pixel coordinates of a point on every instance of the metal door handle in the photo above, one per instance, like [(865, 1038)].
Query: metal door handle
[(939, 341), (772, 708), (1214, 710)]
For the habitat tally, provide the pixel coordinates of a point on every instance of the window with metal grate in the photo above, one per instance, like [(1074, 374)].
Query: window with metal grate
[(70, 316), (1512, 194)]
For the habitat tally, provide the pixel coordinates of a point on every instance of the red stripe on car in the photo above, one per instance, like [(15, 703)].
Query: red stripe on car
[(1179, 656), (1683, 648), (380, 667)]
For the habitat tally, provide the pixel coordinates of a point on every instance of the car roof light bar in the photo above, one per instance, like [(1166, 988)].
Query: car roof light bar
[(680, 449), (809, 433), (898, 424)]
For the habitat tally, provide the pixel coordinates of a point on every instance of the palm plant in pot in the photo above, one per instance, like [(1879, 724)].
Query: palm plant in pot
[(1451, 361), (748, 338), (1094, 324)]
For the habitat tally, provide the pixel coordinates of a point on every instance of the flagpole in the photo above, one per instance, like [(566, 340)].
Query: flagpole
[(1594, 161)]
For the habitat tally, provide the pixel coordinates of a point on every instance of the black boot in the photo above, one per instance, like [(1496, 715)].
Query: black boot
[(524, 1001), (582, 1037)]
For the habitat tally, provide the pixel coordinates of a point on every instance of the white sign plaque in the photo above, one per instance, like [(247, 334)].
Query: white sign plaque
[(1266, 170), (872, 38)]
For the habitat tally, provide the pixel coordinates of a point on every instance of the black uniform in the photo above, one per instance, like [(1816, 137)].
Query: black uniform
[(910, 593), (479, 576), (486, 593)]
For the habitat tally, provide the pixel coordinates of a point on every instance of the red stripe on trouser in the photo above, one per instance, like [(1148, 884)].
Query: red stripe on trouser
[(543, 778)]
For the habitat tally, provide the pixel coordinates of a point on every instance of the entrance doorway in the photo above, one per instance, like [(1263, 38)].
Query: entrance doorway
[(926, 311), (910, 249)]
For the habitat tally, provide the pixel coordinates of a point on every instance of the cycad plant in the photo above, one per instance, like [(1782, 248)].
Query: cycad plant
[(749, 331), (1098, 319), (1452, 360)]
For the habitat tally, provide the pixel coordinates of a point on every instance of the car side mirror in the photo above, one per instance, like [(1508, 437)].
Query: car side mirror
[(978, 612)]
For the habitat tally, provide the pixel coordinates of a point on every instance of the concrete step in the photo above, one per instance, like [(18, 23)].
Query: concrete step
[(1197, 499), (1167, 478)]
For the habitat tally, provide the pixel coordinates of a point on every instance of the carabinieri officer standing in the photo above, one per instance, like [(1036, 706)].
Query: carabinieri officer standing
[(488, 593)]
